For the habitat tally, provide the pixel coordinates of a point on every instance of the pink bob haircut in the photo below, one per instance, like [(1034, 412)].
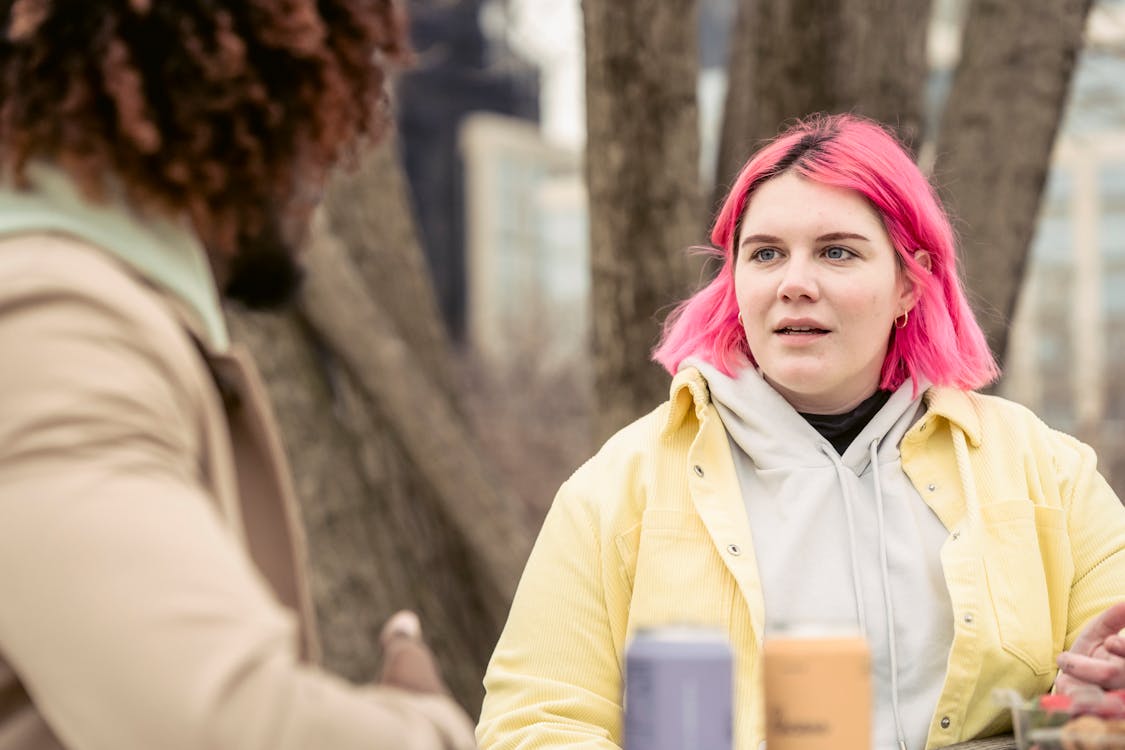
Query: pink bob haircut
[(941, 341)]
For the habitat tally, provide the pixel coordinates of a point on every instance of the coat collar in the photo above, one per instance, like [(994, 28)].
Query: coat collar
[(164, 252), (959, 408), (689, 389)]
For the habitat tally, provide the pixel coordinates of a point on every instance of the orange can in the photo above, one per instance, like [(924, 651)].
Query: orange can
[(818, 690)]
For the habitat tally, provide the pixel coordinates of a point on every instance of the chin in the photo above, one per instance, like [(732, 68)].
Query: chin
[(797, 385), (800, 377)]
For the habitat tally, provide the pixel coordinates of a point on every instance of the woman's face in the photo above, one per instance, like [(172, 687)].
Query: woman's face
[(818, 288)]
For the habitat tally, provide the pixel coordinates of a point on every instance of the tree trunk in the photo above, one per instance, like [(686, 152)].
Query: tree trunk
[(369, 207), (996, 137), (401, 509), (433, 436), (790, 58), (642, 170), (736, 141)]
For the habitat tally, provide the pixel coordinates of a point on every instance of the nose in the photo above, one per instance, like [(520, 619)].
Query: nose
[(798, 281)]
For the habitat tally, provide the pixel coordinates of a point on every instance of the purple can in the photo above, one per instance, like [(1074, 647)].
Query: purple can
[(678, 685)]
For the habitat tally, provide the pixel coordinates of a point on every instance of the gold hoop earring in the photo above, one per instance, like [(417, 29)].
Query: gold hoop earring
[(901, 320)]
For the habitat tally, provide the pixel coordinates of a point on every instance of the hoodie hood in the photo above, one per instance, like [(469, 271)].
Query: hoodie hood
[(775, 436), (845, 540)]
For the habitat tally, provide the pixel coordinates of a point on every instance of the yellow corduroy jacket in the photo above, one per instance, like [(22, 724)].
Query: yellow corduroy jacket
[(653, 531)]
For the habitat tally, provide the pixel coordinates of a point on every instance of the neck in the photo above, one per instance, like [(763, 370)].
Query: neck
[(823, 404)]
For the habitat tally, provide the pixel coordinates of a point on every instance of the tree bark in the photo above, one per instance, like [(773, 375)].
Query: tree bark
[(791, 58), (736, 140), (401, 508), (642, 170), (996, 137), (432, 434), (369, 208), (378, 541)]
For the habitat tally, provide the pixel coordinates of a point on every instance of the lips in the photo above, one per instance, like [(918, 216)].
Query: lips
[(800, 327), (799, 330)]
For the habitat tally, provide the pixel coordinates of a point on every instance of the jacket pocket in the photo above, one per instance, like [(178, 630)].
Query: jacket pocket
[(1020, 538), (678, 578)]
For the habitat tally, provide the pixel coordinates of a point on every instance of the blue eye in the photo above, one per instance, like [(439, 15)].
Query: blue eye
[(764, 254), (837, 253)]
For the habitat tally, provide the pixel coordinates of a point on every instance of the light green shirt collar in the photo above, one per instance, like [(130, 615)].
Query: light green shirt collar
[(166, 254)]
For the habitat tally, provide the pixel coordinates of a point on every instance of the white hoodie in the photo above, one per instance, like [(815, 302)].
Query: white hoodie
[(841, 540)]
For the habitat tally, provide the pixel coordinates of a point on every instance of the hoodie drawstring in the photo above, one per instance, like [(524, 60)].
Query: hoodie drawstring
[(845, 487), (888, 608)]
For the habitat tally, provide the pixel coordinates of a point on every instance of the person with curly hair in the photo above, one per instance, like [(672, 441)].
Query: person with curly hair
[(154, 156)]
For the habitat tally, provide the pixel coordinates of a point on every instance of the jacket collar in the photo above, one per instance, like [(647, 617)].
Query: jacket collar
[(165, 253), (689, 389), (958, 407)]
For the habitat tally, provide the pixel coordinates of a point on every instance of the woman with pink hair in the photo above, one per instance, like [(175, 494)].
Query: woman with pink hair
[(823, 458)]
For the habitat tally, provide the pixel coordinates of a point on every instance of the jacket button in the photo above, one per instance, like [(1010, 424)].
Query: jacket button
[(734, 549), (931, 487), (945, 722), (698, 470), (968, 618)]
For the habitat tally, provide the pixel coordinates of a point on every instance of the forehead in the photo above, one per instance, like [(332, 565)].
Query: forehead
[(790, 203)]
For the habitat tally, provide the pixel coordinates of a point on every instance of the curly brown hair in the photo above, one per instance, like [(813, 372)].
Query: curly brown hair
[(221, 108)]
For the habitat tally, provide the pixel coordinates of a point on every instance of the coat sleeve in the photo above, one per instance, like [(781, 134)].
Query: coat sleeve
[(1096, 527), (555, 678), (130, 614)]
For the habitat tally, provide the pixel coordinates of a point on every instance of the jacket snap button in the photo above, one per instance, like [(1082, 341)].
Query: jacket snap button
[(931, 487), (945, 722), (698, 470), (968, 618), (734, 549)]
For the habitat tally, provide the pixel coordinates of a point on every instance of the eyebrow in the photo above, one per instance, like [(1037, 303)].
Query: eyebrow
[(830, 237)]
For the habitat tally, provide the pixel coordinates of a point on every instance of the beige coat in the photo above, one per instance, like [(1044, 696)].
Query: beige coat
[(151, 558)]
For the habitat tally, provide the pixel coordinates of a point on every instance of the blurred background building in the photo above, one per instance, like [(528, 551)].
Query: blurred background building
[(460, 69), (528, 265), (504, 216)]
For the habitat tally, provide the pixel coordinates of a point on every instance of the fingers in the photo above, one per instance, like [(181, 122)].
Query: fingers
[(407, 661), (402, 623), (1112, 621), (1115, 644), (1108, 623), (1107, 672), (409, 664), (1076, 689)]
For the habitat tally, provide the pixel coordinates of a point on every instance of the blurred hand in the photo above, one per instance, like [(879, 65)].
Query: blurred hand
[(1097, 658), (407, 661), (408, 664)]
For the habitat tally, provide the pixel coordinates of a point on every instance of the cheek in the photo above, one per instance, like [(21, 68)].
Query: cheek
[(750, 293), (875, 308)]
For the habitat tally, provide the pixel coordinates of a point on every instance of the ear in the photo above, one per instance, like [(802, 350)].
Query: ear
[(922, 258), (909, 289)]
